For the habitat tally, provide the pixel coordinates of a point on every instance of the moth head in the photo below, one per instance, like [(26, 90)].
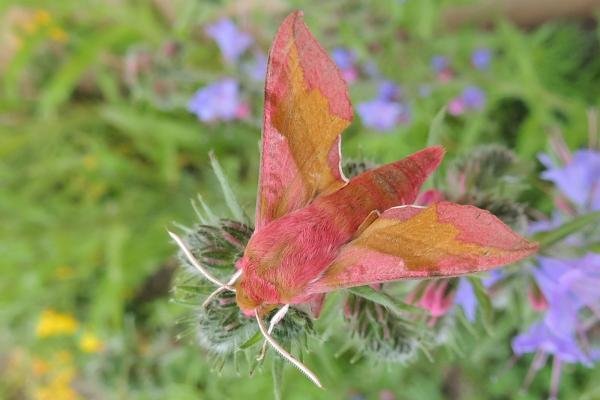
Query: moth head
[(253, 292)]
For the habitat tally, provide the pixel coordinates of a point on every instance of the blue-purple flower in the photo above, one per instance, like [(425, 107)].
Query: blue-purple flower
[(439, 63), (346, 61), (578, 180), (219, 101), (382, 115), (386, 111), (466, 299), (256, 69), (569, 286), (389, 91), (441, 67), (481, 58), (472, 98), (541, 338), (231, 41)]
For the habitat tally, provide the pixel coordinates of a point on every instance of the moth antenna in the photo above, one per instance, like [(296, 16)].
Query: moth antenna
[(309, 374), (410, 206), (188, 254), (279, 315), (231, 281)]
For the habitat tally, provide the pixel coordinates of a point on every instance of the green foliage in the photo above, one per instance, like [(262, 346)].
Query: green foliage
[(94, 167)]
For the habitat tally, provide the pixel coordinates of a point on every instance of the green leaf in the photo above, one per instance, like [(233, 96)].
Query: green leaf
[(485, 304), (252, 341), (191, 289), (230, 198), (549, 238), (58, 90), (206, 215), (436, 129), (396, 306), (277, 371)]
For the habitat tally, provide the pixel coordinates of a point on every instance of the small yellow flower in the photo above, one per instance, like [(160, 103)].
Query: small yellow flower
[(42, 17), (63, 358), (57, 379), (52, 323), (96, 190), (90, 343), (39, 366), (63, 272), (58, 388), (90, 161), (30, 27), (58, 35)]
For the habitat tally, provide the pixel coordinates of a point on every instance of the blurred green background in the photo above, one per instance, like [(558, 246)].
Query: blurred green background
[(94, 168)]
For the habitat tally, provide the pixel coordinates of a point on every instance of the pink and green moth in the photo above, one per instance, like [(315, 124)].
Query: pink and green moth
[(315, 231)]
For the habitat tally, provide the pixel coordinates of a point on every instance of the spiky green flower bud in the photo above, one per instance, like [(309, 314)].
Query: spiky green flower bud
[(380, 333)]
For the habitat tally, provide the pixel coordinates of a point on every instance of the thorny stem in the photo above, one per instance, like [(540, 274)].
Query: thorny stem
[(285, 354), (196, 264)]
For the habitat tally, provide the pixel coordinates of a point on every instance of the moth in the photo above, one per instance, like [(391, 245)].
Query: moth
[(316, 231)]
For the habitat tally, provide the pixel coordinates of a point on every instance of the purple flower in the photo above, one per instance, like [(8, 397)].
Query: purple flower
[(545, 225), (579, 179), (442, 69), (473, 97), (573, 283), (539, 337), (456, 106), (346, 62), (465, 297), (439, 63), (257, 68), (371, 69), (385, 111), (218, 101), (569, 286), (481, 58), (494, 277), (231, 41), (382, 115), (343, 57), (389, 91)]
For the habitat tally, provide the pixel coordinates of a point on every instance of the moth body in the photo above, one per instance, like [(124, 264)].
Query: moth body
[(285, 256)]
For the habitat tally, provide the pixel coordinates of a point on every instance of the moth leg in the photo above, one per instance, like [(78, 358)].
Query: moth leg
[(303, 368), (188, 254), (279, 315), (231, 281)]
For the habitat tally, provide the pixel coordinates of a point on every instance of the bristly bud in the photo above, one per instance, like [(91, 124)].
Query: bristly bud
[(488, 178), (380, 333), (222, 328), (489, 168), (217, 247), (511, 212), (294, 328)]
